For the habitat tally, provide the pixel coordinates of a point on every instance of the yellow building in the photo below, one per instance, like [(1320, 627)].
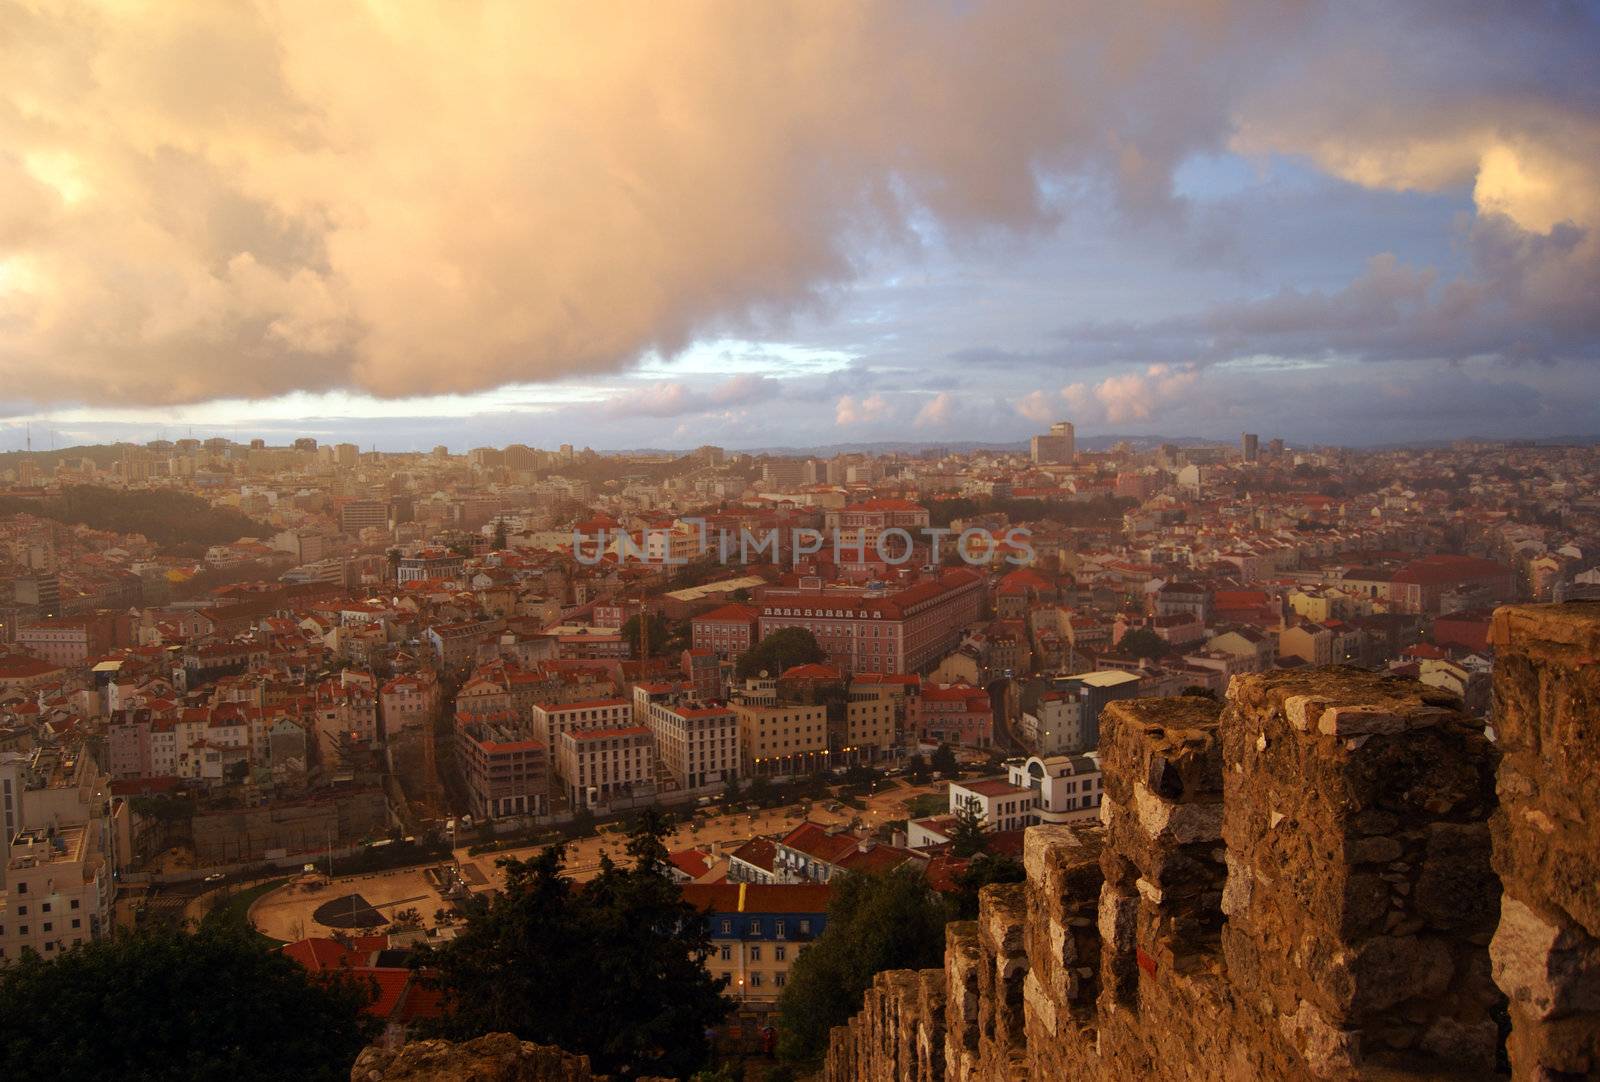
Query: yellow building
[(782, 739)]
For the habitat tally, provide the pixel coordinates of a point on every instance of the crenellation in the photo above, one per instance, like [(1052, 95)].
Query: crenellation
[(1340, 928), (1003, 963), (1546, 950), (1305, 882)]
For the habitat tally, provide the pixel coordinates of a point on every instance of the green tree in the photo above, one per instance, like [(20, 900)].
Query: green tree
[(1141, 642), (916, 769), (875, 922), (613, 968), (215, 1004), (502, 534), (967, 837), (781, 650), (761, 793), (656, 629), (944, 761), (983, 869)]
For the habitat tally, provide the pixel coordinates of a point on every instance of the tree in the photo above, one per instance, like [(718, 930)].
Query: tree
[(624, 951), (761, 792), (1141, 642), (502, 534), (967, 837), (983, 869), (875, 922), (781, 650), (916, 769), (656, 630), (236, 772), (216, 1003), (944, 761)]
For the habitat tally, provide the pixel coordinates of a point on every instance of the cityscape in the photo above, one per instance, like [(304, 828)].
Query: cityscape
[(761, 543)]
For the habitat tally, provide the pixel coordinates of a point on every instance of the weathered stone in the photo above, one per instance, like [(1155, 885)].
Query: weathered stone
[(1327, 1049), (495, 1057), (1545, 969), (1181, 824), (1375, 850), (1353, 871)]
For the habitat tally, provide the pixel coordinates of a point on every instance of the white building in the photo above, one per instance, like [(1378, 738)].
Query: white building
[(58, 892), (1068, 787), (1001, 804), (600, 765), (699, 745), (550, 720)]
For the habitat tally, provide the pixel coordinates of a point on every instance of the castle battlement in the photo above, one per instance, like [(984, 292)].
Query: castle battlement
[(1304, 881)]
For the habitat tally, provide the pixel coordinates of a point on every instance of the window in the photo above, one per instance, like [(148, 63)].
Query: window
[(48, 926), (22, 911), (805, 927), (22, 930), (778, 929), (727, 927), (76, 923), (727, 953), (755, 953), (45, 907), (780, 979), (755, 980), (780, 953)]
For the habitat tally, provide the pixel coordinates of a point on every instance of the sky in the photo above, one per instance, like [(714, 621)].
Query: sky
[(761, 225)]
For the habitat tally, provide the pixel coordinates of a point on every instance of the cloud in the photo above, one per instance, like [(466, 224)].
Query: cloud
[(936, 411), (1037, 406), (206, 200), (853, 411), (677, 399), (1129, 396), (211, 200)]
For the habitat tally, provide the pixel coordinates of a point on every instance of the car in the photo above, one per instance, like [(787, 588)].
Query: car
[(215, 877)]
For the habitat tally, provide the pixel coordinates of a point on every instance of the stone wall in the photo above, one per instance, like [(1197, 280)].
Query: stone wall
[(1303, 882), (1546, 950)]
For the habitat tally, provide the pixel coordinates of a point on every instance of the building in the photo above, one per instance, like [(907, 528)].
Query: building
[(1059, 447), (753, 862), (954, 714), (1424, 585), (783, 474), (904, 630), (815, 853), (757, 932), (1069, 787), (698, 744), (602, 765), (58, 892), (1249, 447), (727, 631), (410, 701), (427, 566), (1092, 691), (777, 739), (875, 516), (550, 720), (66, 640), (503, 777), (358, 515), (1001, 804)]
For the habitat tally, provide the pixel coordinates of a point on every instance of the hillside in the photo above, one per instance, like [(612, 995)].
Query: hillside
[(170, 519)]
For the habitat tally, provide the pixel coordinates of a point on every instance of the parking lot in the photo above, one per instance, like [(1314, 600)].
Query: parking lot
[(289, 913)]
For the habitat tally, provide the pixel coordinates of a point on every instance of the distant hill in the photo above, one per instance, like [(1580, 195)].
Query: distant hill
[(170, 519)]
